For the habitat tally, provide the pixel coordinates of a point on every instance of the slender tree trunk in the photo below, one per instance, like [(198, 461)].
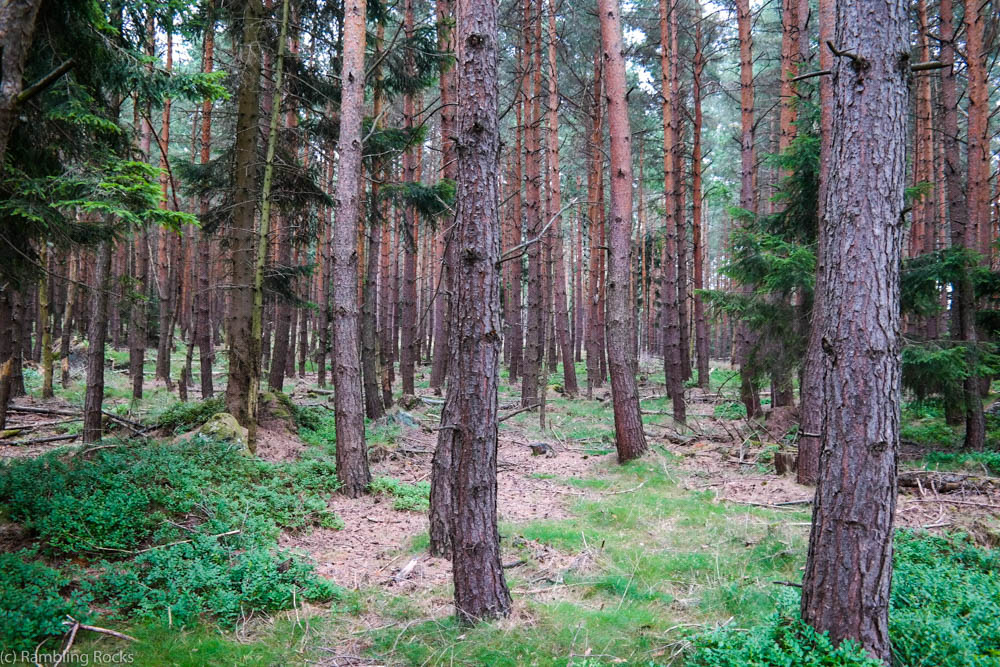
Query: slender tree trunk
[(164, 237), (700, 325), (555, 198), (408, 298), (744, 338), (45, 322), (811, 393), (469, 418), (979, 236), (629, 437), (97, 333), (203, 296), (352, 453), (669, 292), (595, 213), (325, 223), (374, 408), (517, 265), (442, 300), (845, 589), (535, 340), (72, 295)]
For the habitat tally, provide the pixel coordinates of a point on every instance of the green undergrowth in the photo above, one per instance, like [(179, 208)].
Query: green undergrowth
[(411, 497), (148, 530), (666, 576)]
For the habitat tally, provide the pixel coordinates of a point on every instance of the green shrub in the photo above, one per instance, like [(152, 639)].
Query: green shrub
[(945, 602), (182, 417), (730, 410), (974, 461), (412, 497), (31, 606), (225, 577), (785, 641)]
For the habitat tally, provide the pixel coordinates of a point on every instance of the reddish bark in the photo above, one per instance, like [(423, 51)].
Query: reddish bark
[(629, 437)]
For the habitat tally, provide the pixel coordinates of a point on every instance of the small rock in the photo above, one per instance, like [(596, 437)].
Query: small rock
[(222, 427), (409, 401), (542, 448)]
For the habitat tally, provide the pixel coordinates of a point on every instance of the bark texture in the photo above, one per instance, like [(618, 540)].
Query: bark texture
[(849, 568), (352, 452), (469, 418), (629, 436)]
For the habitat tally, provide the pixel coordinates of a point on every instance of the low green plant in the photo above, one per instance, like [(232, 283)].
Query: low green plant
[(31, 605), (182, 417), (973, 461), (730, 410), (224, 577), (784, 641), (411, 497), (945, 602)]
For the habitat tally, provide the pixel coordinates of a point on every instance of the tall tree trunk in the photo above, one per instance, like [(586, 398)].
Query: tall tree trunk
[(845, 589), (97, 333), (45, 321), (408, 298), (352, 452), (517, 265), (469, 418), (325, 224), (72, 296), (979, 236), (164, 236), (595, 213), (811, 393), (374, 408), (244, 348), (963, 231), (669, 292), (744, 338), (555, 205), (203, 295), (442, 300), (629, 437), (535, 339), (698, 251)]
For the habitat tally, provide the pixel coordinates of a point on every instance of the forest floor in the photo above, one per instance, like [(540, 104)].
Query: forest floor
[(607, 563)]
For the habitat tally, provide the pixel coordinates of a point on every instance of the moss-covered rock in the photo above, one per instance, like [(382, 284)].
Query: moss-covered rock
[(221, 427), (276, 405)]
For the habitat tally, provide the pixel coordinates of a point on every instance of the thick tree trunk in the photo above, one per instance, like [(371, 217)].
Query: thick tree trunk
[(97, 333), (629, 436), (352, 452), (17, 29), (845, 588), (244, 351), (469, 418)]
